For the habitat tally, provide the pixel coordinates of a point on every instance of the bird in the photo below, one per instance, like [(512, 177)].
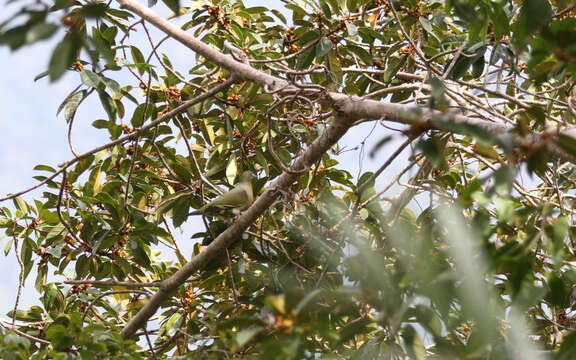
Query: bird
[(239, 198)]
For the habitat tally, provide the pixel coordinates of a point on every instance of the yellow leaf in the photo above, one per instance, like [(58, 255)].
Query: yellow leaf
[(97, 184), (278, 302), (373, 18), (231, 170), (210, 131), (142, 203), (196, 147), (183, 11)]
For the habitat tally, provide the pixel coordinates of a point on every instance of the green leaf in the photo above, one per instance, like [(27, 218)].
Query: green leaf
[(49, 296), (72, 103), (351, 28), (33, 314), (15, 37), (101, 124), (460, 67), (353, 328), (534, 15), (44, 168), (41, 277), (108, 105), (538, 161), (41, 75), (90, 78), (138, 251), (82, 267), (94, 10), (426, 25), (21, 205), (110, 34), (231, 169), (137, 55), (323, 47), (478, 67), (438, 98), (40, 31), (279, 15), (173, 5), (244, 336), (8, 246), (501, 21), (60, 337), (567, 347), (113, 86), (180, 211), (504, 209), (395, 64), (63, 56), (80, 167), (364, 55), (139, 117), (173, 324), (433, 149), (414, 345), (475, 131), (504, 179), (559, 294), (567, 143)]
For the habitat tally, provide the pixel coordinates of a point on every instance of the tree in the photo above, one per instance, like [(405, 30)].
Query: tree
[(322, 264)]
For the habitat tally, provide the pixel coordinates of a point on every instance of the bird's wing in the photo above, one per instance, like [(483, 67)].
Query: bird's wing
[(241, 196), (237, 197)]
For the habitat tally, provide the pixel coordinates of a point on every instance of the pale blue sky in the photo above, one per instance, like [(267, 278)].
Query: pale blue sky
[(32, 134)]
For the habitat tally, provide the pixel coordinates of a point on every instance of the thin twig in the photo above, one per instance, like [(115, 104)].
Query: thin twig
[(5, 325), (16, 238), (71, 232)]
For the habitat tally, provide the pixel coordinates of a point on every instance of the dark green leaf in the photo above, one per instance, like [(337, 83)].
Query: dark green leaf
[(72, 103), (63, 56), (90, 78), (567, 143), (108, 105), (173, 5), (40, 31), (433, 149)]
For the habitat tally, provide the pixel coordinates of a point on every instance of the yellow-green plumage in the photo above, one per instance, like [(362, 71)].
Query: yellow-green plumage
[(240, 197)]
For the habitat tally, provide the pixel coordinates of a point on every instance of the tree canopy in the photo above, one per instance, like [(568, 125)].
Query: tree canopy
[(466, 252)]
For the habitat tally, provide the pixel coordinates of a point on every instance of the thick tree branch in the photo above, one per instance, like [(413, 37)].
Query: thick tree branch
[(348, 109), (353, 107)]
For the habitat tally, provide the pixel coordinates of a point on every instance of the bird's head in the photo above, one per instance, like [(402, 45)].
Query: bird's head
[(246, 177)]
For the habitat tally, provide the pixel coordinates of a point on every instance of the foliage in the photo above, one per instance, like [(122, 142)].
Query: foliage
[(90, 342), (339, 267)]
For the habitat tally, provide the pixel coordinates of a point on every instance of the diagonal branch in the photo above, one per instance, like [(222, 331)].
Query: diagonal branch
[(348, 109), (314, 153), (353, 107)]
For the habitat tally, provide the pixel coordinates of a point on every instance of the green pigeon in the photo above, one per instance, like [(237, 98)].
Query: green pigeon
[(238, 198)]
